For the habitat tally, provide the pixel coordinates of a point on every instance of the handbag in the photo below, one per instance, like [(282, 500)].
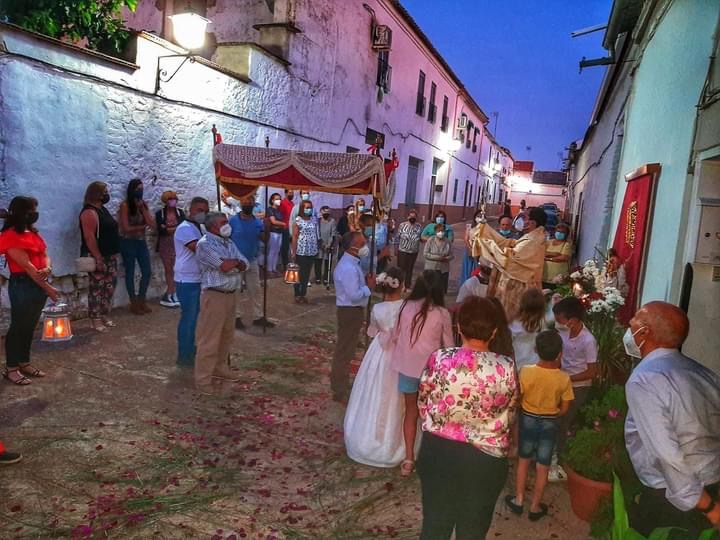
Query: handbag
[(87, 264)]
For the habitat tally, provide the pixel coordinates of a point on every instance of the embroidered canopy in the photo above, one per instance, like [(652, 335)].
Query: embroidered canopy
[(241, 169)]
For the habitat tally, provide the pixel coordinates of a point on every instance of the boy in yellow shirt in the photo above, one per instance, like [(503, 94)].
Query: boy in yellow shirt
[(546, 393)]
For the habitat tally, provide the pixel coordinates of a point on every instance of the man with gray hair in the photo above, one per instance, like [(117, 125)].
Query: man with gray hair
[(672, 430), (221, 264)]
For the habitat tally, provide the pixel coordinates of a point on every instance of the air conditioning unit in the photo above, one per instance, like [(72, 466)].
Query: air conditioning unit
[(462, 122)]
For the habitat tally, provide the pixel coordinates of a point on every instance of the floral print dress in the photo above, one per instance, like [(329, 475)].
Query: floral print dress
[(469, 396)]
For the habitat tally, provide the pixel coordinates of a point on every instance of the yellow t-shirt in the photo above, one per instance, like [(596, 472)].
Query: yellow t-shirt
[(543, 389)]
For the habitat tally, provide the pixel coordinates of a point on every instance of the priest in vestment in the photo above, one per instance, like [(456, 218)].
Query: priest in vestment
[(517, 264)]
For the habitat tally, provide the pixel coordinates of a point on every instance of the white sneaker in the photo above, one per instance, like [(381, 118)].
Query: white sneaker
[(175, 300), (166, 301), (557, 474)]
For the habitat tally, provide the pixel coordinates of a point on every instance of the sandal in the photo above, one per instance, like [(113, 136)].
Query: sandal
[(407, 467), (535, 516), (98, 326), (31, 371), (18, 379)]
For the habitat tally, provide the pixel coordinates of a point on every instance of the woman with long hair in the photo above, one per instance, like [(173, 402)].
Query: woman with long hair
[(502, 342), (305, 246), (527, 323), (99, 239), (277, 227), (467, 399), (134, 219), (424, 325), (30, 268), (167, 220)]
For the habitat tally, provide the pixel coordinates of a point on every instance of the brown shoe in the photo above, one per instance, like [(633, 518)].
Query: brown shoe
[(144, 307), (135, 307)]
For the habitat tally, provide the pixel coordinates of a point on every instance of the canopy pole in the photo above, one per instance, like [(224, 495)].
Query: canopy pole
[(214, 132), (372, 268), (266, 236)]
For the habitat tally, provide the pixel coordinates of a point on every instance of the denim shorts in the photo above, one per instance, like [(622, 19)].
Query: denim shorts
[(537, 437), (407, 385)]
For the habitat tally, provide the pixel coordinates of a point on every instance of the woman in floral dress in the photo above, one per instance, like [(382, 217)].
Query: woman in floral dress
[(467, 399)]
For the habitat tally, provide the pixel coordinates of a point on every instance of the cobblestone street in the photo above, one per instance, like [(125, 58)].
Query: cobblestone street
[(118, 444)]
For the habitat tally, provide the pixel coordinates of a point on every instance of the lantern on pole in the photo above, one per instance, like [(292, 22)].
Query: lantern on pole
[(292, 274), (56, 324)]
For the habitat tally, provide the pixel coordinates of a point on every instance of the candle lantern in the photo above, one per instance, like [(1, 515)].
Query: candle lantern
[(56, 324), (292, 274), (578, 290)]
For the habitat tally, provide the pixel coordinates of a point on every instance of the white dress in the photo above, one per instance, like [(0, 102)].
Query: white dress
[(373, 420)]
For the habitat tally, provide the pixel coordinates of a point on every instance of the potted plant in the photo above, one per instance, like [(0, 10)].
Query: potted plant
[(595, 450)]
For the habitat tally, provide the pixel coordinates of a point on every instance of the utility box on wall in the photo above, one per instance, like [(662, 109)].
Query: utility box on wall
[(708, 245)]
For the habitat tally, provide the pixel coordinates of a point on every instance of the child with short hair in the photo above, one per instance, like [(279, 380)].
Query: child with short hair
[(546, 394)]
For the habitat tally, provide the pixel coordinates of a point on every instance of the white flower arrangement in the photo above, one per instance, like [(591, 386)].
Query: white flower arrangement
[(609, 303), (575, 276), (590, 270), (384, 279)]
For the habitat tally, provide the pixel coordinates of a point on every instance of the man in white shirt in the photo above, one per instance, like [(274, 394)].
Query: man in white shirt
[(229, 205), (672, 429), (352, 290), (476, 285), (188, 278)]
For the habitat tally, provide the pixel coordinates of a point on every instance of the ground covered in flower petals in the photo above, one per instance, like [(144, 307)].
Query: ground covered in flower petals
[(118, 444)]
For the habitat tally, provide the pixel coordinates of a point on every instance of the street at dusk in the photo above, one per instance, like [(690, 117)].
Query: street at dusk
[(334, 269)]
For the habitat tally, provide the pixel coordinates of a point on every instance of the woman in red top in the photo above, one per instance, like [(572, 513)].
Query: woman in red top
[(26, 255)]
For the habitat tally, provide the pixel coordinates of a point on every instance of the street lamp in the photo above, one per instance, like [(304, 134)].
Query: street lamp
[(189, 30)]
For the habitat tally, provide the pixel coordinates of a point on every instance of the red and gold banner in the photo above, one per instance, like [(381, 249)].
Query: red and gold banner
[(633, 231)]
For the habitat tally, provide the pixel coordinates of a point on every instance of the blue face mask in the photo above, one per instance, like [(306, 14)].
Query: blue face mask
[(505, 233), (307, 211), (439, 219), (560, 236)]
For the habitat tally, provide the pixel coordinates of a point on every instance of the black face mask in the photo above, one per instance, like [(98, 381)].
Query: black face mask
[(326, 215), (32, 217), (105, 198), (290, 196), (412, 219), (247, 209), (139, 194)]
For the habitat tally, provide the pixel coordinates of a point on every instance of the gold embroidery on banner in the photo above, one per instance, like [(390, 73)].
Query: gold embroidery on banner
[(631, 223)]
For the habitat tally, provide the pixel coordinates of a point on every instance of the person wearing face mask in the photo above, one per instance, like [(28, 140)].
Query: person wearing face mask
[(277, 229), (558, 252), (470, 263), (328, 232), (135, 218), (247, 232), (100, 240), (440, 219), (286, 209), (408, 236), (229, 205), (517, 264), (167, 220), (304, 196), (438, 254), (579, 360), (221, 264), (188, 278), (30, 267), (352, 290), (672, 429), (306, 244), (505, 228)]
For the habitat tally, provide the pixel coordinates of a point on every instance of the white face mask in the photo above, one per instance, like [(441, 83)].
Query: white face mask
[(364, 252), (631, 347), (440, 234), (478, 220), (305, 197), (276, 202), (232, 202), (226, 230)]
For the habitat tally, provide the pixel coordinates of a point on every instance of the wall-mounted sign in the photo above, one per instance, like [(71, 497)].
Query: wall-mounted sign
[(381, 37)]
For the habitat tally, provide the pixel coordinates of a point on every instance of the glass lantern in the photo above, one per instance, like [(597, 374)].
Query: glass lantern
[(292, 274), (56, 324)]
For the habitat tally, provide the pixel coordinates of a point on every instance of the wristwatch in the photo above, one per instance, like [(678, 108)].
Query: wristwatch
[(709, 508)]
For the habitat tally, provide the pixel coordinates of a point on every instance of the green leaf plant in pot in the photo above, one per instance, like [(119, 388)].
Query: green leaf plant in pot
[(595, 450)]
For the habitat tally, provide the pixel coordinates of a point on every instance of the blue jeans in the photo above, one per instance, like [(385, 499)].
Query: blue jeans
[(189, 296), (537, 437), (131, 250)]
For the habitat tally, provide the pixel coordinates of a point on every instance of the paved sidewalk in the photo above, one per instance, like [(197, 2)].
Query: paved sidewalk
[(117, 443)]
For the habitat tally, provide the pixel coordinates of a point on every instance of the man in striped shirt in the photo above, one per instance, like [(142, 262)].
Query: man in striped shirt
[(408, 236)]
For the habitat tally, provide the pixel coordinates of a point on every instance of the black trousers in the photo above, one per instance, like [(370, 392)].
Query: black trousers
[(305, 262), (652, 510), (27, 301), (321, 269), (285, 248), (460, 486), (406, 263)]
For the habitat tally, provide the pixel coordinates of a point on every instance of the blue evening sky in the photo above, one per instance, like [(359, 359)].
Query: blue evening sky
[(517, 57)]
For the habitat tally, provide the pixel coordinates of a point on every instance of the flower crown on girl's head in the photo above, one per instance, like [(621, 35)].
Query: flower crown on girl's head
[(384, 279)]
